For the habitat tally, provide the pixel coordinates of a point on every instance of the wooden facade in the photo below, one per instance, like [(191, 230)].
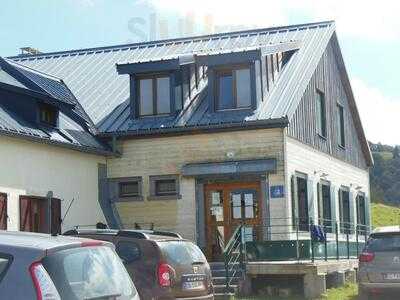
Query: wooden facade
[(303, 126)]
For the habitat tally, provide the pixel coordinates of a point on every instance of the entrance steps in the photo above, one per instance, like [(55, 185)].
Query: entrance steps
[(218, 272)]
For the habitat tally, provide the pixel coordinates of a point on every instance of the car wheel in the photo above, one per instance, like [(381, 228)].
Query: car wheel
[(363, 294)]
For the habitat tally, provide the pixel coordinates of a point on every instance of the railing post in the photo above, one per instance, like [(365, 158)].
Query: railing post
[(337, 240), (348, 244), (357, 240), (325, 241), (241, 242), (297, 240), (311, 240)]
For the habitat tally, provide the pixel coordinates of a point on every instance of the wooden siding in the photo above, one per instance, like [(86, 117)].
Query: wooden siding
[(303, 125)]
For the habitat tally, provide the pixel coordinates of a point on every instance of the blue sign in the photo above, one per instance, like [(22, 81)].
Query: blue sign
[(277, 191)]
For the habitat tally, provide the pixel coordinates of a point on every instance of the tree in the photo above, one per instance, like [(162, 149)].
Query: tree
[(396, 152)]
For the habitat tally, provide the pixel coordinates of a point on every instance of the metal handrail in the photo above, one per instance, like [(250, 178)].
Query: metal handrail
[(233, 255)]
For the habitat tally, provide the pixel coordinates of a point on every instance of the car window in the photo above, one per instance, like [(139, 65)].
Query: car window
[(181, 252), (384, 242), (128, 251), (5, 262), (89, 273)]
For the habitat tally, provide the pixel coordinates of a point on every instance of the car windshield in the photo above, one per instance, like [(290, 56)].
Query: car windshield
[(182, 252), (89, 273), (384, 242)]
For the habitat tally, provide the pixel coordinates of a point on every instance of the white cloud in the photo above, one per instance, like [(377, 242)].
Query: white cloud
[(372, 20), (379, 113)]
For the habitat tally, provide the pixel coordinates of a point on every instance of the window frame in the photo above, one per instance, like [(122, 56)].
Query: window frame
[(301, 226), (127, 198), (321, 114), (359, 222), (327, 223), (50, 108), (153, 187), (10, 259), (340, 115), (154, 77), (344, 228), (230, 69)]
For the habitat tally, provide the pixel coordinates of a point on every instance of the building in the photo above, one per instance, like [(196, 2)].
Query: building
[(47, 144), (269, 110)]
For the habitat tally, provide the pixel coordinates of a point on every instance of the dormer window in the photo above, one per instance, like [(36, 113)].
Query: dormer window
[(233, 88), (154, 94), (48, 115)]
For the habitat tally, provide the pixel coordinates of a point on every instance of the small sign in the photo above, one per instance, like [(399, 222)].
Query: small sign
[(277, 191)]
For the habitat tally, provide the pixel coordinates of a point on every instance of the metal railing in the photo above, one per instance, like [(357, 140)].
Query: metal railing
[(234, 256), (305, 239)]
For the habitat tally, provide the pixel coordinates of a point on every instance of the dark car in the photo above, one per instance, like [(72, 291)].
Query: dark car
[(379, 267), (44, 267), (161, 264)]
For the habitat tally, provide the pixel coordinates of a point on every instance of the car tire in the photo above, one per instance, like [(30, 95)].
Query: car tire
[(363, 294)]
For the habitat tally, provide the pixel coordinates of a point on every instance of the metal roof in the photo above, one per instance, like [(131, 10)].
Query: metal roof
[(70, 132), (91, 75)]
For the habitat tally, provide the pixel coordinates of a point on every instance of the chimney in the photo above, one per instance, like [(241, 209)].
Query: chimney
[(29, 51)]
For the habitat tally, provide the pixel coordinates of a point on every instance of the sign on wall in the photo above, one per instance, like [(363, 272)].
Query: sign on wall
[(277, 191)]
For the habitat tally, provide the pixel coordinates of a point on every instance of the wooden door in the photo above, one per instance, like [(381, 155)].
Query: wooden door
[(3, 212), (227, 205)]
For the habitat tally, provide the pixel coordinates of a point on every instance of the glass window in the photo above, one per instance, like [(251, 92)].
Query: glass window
[(344, 210), (146, 97), (324, 206), (340, 129), (384, 242), (225, 91), (128, 251), (321, 114), (361, 219), (233, 89), (47, 114), (89, 273), (165, 187), (129, 189), (243, 92), (5, 261), (181, 253), (163, 96), (236, 206), (302, 203)]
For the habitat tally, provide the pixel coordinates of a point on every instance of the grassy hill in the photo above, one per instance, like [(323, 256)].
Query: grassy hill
[(383, 214)]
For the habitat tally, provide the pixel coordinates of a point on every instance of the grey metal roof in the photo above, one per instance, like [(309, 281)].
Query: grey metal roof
[(69, 133), (92, 77)]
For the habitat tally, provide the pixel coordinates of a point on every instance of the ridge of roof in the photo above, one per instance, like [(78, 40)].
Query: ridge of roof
[(171, 40)]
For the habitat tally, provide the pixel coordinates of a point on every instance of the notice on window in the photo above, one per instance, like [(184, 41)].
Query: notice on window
[(249, 212), (218, 212), (215, 198), (248, 199)]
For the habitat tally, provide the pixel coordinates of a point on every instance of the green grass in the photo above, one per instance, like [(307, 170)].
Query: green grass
[(383, 214), (386, 155)]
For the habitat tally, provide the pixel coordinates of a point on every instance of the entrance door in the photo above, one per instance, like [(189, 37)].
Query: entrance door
[(227, 206)]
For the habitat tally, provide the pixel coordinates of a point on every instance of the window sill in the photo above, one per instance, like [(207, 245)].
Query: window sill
[(164, 197), (129, 199)]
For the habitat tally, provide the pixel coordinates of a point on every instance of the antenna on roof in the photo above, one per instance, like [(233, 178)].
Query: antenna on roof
[(29, 51)]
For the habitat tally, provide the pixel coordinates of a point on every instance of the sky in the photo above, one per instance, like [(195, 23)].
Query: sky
[(368, 32)]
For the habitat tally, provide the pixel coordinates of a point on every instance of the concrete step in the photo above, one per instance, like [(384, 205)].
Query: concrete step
[(224, 296), (222, 280), (221, 273), (220, 289)]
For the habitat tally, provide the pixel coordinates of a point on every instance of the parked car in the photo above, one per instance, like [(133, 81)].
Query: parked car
[(379, 264), (44, 267), (161, 264)]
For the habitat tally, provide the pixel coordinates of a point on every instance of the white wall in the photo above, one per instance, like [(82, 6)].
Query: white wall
[(302, 158), (30, 168)]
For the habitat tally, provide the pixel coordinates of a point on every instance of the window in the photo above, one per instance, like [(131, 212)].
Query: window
[(340, 129), (344, 210), (321, 114), (164, 187), (324, 206), (128, 251), (5, 262), (300, 202), (361, 218), (48, 115), (129, 189), (233, 89), (154, 95)]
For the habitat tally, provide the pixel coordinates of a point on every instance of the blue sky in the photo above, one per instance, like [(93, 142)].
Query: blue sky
[(370, 38)]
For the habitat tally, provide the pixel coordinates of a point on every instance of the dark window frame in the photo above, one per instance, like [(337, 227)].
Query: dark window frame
[(302, 217), (154, 77), (53, 114), (361, 212), (321, 114), (128, 198), (5, 196), (153, 187), (10, 259), (230, 70), (344, 218), (341, 125), (322, 203)]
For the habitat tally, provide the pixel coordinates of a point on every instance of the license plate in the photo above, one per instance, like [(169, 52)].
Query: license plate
[(195, 285), (391, 276)]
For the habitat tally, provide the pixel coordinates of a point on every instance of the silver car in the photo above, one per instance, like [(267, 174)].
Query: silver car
[(44, 267), (379, 264)]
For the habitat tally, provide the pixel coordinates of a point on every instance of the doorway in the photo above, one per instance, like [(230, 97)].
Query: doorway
[(227, 205)]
